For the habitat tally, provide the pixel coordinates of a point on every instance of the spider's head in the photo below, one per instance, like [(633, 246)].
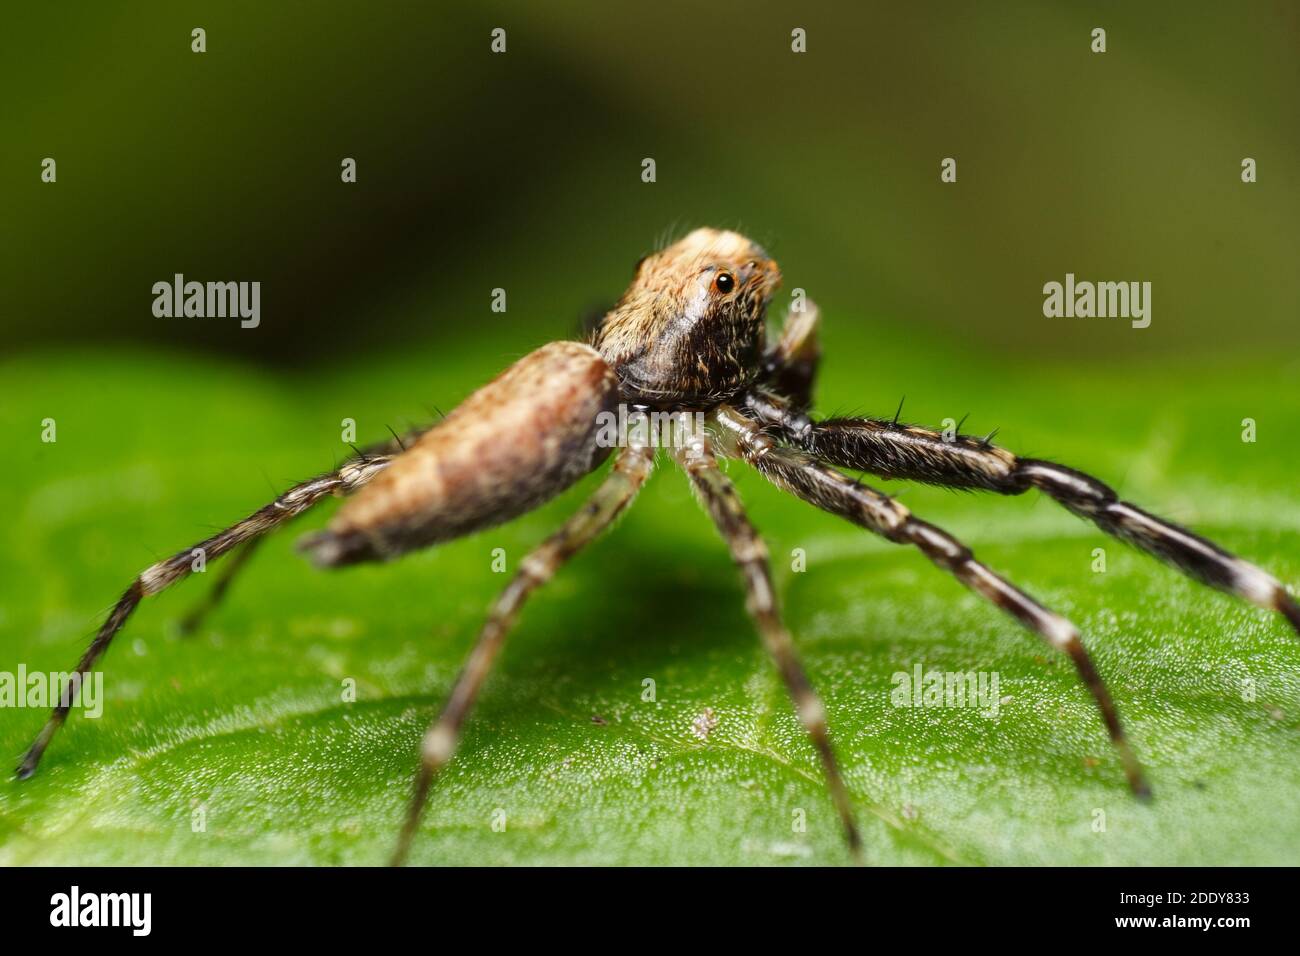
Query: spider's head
[(689, 329)]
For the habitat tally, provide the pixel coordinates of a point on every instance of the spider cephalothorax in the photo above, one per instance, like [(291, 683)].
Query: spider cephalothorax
[(688, 334), (690, 327)]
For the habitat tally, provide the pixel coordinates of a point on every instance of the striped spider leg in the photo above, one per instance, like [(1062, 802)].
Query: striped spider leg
[(378, 455), (240, 537), (890, 449), (817, 483), (719, 498), (631, 468)]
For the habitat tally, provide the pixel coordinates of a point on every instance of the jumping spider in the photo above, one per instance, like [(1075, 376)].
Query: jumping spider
[(687, 336)]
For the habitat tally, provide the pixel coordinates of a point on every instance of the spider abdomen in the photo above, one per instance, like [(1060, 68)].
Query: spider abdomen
[(518, 441)]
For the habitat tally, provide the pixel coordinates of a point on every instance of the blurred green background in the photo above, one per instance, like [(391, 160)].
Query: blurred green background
[(522, 171)]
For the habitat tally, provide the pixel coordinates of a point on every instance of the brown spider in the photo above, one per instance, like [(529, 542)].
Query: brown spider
[(687, 336)]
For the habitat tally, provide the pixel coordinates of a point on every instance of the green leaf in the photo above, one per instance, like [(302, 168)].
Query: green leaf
[(246, 720)]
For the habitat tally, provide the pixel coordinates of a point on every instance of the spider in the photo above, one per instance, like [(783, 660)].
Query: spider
[(688, 336)]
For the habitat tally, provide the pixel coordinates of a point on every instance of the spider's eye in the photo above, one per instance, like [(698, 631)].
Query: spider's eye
[(725, 282)]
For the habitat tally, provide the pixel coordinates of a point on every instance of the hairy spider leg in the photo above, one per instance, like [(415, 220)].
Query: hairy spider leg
[(718, 496), (820, 485), (890, 449), (229, 571), (631, 468), (352, 475), (239, 559)]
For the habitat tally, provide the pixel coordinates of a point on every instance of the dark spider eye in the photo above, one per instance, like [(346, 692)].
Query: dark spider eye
[(725, 282)]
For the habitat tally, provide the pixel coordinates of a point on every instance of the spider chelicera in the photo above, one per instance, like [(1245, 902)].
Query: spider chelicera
[(688, 336)]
